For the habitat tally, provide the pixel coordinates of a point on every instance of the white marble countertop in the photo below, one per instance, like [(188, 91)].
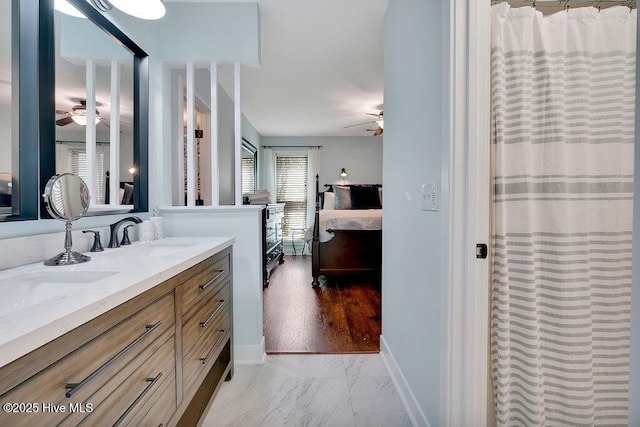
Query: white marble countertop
[(39, 303)]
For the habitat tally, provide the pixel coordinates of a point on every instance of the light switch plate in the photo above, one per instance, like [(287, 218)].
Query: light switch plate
[(430, 197)]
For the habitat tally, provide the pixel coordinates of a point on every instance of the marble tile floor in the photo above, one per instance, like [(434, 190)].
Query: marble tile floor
[(352, 390)]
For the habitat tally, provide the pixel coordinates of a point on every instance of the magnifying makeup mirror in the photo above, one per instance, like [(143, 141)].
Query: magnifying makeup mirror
[(66, 197)]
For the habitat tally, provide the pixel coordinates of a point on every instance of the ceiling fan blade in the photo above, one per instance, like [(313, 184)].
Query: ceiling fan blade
[(359, 124), (64, 121), (61, 112), (378, 132)]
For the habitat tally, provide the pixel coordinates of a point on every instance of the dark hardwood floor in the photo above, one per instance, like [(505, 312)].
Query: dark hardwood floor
[(341, 316)]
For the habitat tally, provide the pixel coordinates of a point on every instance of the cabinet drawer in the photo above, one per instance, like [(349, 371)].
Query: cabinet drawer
[(201, 286), (159, 408), (206, 318), (76, 378), (207, 348), (126, 399)]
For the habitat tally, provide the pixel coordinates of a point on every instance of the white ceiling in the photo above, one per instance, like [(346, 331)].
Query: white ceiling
[(321, 68)]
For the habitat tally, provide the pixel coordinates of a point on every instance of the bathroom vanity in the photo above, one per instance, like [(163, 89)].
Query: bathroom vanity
[(138, 336)]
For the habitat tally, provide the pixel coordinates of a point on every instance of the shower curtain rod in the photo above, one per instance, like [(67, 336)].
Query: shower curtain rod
[(594, 3), (292, 146)]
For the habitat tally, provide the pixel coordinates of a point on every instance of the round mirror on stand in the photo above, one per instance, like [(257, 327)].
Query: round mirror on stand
[(66, 197)]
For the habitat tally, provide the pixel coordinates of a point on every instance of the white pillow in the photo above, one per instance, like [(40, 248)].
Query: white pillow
[(329, 201)]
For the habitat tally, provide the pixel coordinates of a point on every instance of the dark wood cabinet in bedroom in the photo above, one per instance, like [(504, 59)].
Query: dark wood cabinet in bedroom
[(272, 246)]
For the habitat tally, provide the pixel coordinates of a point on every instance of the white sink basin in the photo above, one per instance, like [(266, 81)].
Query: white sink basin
[(33, 288)]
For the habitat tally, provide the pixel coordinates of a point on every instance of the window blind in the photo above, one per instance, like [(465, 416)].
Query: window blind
[(291, 189), (77, 164), (248, 175)]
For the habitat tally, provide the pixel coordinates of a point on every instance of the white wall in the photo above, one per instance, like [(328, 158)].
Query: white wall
[(199, 31), (412, 276), (361, 156), (244, 224)]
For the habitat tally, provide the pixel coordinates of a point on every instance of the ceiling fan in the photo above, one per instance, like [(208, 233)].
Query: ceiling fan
[(78, 114), (379, 121)]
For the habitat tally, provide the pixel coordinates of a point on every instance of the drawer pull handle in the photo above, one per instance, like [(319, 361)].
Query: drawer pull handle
[(216, 311), (210, 282), (223, 333), (151, 382), (73, 388)]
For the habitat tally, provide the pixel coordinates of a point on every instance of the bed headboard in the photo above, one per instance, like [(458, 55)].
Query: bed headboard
[(127, 186), (361, 191)]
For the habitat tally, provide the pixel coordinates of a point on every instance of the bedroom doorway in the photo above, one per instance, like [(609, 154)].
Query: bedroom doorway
[(339, 316)]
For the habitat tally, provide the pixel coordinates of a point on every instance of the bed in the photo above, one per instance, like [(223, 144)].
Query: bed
[(345, 240), (126, 191)]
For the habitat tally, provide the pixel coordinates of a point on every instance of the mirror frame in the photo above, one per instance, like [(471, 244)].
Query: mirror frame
[(47, 102), (25, 196)]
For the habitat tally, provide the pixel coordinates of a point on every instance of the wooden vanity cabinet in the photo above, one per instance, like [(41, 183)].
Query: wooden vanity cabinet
[(142, 363), (207, 344)]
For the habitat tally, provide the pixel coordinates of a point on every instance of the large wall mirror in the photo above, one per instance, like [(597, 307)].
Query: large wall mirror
[(249, 167), (18, 104), (97, 125), (92, 69)]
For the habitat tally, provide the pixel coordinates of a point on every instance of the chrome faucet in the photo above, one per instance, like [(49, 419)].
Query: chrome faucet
[(113, 239)]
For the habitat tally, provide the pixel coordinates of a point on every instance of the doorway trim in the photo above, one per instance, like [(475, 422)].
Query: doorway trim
[(466, 348)]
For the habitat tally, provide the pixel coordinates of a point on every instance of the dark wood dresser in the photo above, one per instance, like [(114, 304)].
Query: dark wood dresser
[(272, 246)]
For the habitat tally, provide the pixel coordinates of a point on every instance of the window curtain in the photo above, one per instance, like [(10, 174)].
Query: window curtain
[(269, 174), (563, 99), (313, 166)]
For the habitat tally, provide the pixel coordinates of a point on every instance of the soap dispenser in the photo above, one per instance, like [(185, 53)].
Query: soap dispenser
[(158, 226)]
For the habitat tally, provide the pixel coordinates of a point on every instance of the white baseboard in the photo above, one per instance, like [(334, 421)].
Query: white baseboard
[(415, 413), (249, 354)]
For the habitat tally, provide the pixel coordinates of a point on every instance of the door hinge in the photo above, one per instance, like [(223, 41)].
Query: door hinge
[(481, 250)]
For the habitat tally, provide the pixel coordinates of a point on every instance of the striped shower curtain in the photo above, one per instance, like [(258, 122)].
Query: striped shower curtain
[(563, 91)]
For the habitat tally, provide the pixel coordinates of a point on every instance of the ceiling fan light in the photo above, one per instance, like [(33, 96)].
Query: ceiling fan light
[(81, 119), (65, 7), (143, 9), (380, 123)]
